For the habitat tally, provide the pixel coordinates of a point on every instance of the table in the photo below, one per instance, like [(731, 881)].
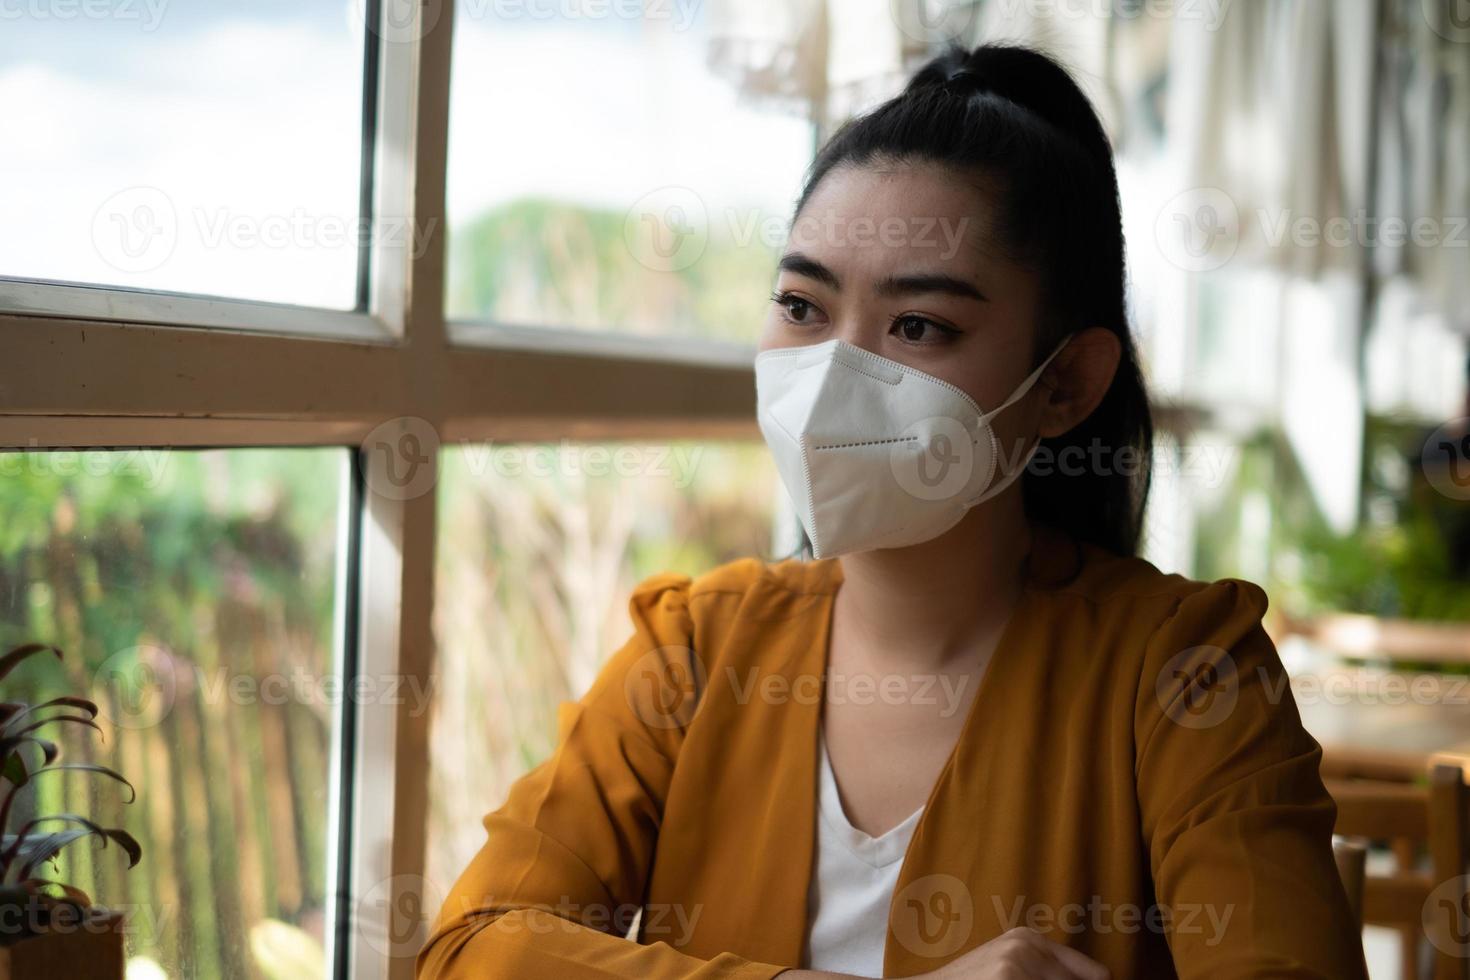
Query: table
[(1388, 723)]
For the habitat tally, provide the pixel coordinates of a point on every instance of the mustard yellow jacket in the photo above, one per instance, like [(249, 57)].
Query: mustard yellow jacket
[(1132, 779)]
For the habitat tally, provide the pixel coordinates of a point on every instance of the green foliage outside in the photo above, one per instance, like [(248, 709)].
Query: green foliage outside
[(539, 261), (163, 575)]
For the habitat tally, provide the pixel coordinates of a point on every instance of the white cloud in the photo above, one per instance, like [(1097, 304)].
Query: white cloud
[(252, 124)]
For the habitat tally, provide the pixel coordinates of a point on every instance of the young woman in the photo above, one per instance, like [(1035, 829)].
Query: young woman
[(975, 736)]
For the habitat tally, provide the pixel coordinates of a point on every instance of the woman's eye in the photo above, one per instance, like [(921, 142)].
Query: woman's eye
[(797, 309), (920, 330)]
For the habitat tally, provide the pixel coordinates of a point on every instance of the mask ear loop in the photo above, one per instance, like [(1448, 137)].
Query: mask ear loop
[(1018, 394)]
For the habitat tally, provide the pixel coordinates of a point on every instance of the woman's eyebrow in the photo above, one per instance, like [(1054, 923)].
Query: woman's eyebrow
[(927, 282), (804, 265)]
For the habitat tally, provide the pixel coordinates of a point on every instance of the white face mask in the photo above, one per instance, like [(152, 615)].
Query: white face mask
[(876, 454)]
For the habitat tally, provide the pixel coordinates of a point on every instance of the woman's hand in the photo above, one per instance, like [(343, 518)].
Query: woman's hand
[(1021, 954)]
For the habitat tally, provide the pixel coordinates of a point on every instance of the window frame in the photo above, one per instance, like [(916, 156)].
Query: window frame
[(94, 366)]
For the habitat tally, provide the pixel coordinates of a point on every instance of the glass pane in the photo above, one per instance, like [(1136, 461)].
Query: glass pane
[(616, 171), (205, 147), (193, 596), (539, 548)]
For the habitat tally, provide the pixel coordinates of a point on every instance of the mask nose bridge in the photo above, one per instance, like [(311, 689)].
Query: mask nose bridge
[(839, 353), (863, 361)]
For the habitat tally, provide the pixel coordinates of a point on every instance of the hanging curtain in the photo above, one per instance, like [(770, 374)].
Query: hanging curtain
[(1423, 152), (823, 62)]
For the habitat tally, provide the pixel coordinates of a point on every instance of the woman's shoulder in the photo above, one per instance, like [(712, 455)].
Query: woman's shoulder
[(740, 577), (767, 604), (1134, 587), (1181, 640)]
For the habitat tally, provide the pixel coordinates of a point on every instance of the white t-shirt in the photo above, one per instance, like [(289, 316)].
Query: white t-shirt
[(853, 876)]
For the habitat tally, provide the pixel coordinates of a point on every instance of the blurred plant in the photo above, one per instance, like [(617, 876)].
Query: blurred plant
[(25, 897), (1399, 570), (1396, 564)]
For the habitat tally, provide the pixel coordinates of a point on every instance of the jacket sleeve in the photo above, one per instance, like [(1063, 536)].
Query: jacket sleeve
[(1235, 815), (552, 891)]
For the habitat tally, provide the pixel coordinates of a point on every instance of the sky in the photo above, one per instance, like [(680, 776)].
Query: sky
[(212, 146)]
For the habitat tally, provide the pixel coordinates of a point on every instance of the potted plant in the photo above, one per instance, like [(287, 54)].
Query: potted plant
[(49, 928)]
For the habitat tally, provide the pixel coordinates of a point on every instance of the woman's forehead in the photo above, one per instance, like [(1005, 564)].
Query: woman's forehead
[(896, 214), (900, 187)]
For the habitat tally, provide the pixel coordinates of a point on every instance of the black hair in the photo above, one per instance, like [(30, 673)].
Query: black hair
[(1015, 120)]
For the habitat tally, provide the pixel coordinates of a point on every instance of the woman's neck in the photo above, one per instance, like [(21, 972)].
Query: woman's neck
[(927, 604)]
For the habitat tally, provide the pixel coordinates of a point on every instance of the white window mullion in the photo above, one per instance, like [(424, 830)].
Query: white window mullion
[(390, 900)]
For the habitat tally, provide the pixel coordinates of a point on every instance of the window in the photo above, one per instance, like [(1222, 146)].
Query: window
[(208, 147), (568, 298), (655, 200), (540, 545), (194, 596)]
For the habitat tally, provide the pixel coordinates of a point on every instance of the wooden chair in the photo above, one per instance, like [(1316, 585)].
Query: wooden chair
[(1411, 817), (1352, 864)]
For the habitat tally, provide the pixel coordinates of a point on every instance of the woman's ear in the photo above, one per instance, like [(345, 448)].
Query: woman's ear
[(1077, 380)]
